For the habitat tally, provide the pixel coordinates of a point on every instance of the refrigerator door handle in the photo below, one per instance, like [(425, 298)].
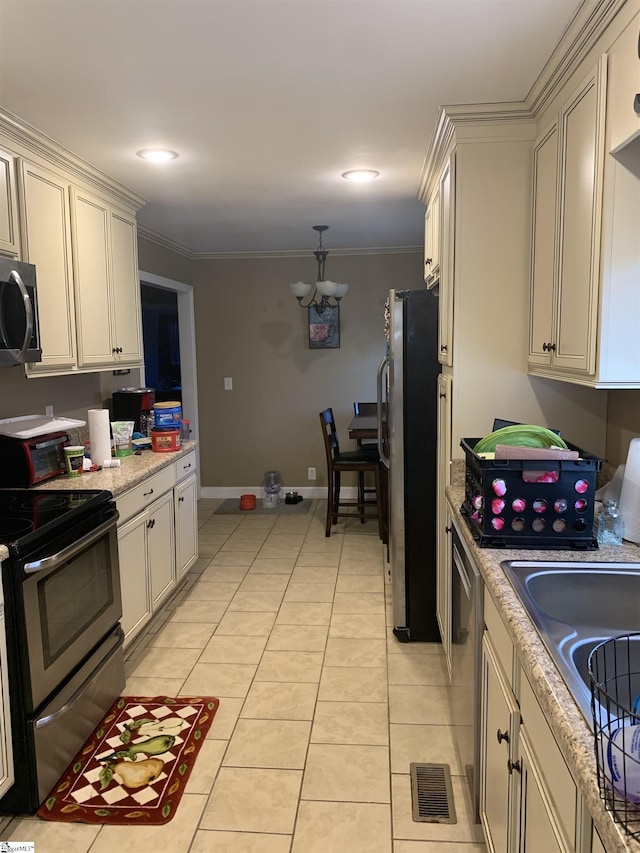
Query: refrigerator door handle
[(382, 369)]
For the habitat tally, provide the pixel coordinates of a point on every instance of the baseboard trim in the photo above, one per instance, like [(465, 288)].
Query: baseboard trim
[(211, 492)]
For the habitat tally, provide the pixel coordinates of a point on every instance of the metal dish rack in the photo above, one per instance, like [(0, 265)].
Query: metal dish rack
[(614, 672)]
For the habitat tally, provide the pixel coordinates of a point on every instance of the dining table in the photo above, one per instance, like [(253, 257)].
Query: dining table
[(363, 427)]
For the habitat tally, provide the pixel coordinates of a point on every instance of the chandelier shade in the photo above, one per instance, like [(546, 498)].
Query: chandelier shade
[(322, 292)]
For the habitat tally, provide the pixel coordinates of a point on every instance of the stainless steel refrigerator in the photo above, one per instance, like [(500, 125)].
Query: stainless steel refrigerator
[(407, 382)]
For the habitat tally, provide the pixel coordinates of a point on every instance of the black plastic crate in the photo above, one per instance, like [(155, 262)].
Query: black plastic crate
[(530, 503)]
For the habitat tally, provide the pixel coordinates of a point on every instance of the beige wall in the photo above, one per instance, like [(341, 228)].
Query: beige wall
[(161, 261), (623, 424), (249, 327)]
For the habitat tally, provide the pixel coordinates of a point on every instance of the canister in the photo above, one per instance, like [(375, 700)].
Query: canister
[(165, 440), (167, 415)]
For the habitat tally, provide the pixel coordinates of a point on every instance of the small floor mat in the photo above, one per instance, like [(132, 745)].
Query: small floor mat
[(134, 767), (232, 507)]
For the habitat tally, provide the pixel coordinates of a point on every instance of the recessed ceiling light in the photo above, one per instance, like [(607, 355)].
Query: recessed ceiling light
[(157, 155), (360, 176)]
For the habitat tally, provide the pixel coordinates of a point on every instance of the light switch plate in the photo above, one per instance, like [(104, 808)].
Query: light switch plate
[(228, 383)]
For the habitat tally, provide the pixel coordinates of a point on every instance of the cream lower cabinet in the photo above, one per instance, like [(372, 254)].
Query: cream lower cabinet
[(147, 563), (186, 510), (500, 729), (107, 292), (443, 577), (529, 802), (46, 242), (8, 205)]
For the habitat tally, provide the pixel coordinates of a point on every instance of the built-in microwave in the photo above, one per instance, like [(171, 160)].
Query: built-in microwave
[(19, 330)]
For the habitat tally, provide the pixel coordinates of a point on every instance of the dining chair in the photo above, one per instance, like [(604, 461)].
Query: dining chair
[(365, 410), (357, 461)]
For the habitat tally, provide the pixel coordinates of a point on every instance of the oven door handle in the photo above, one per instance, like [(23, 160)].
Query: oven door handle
[(55, 715), (48, 563)]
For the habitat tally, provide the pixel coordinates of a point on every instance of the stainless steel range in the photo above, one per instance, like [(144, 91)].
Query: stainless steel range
[(64, 644)]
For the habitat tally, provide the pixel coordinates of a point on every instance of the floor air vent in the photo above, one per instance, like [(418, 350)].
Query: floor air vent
[(432, 794)]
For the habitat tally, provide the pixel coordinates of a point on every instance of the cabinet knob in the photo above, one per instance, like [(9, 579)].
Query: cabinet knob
[(548, 347), (443, 348), (636, 104), (447, 530), (513, 765), (442, 396), (502, 736), (428, 261), (151, 523), (181, 499)]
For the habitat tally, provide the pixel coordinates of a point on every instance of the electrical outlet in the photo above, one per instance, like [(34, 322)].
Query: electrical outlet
[(48, 410), (311, 473), (228, 383)]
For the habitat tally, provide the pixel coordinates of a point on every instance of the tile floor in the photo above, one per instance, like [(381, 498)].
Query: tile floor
[(321, 709)]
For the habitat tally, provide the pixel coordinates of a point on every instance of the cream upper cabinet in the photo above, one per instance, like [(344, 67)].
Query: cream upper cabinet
[(428, 251), (446, 259), (432, 239), (623, 87), (106, 280), (46, 242), (568, 298), (8, 208)]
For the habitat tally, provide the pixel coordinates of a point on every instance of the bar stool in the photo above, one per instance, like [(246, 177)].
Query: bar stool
[(358, 461)]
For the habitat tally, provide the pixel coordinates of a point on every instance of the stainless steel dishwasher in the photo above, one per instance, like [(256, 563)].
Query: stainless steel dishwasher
[(467, 622)]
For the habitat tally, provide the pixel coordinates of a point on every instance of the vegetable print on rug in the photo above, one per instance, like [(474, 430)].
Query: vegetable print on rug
[(134, 767)]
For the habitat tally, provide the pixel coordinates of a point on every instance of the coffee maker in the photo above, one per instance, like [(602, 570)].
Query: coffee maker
[(134, 404)]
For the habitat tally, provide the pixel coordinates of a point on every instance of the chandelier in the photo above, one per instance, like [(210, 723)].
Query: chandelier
[(322, 292)]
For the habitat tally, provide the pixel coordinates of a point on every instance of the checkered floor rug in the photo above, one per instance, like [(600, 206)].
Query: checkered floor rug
[(134, 767)]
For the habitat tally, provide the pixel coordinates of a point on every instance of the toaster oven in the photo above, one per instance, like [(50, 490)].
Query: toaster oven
[(26, 462)]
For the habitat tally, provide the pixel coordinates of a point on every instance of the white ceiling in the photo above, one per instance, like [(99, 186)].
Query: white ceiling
[(268, 102)]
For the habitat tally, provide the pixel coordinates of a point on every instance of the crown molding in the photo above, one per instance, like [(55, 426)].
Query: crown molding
[(31, 140), (504, 121), (587, 26), (166, 243), (304, 253)]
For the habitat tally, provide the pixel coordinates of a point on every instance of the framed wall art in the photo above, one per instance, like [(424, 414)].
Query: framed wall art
[(324, 328)]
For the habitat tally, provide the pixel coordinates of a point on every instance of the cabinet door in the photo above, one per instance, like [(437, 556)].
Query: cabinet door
[(543, 256), (428, 260), (500, 722), (127, 320), (46, 242), (447, 239), (623, 87), (537, 827), (90, 221), (443, 581), (161, 548), (6, 749), (8, 205), (581, 164), (134, 579), (435, 234), (186, 507)]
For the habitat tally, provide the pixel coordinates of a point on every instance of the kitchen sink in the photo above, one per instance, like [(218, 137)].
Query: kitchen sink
[(575, 606)]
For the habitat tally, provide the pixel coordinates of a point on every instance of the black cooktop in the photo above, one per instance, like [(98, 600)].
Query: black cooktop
[(29, 515)]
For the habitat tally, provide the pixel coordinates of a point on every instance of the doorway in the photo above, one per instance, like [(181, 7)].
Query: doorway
[(171, 360), (161, 342)]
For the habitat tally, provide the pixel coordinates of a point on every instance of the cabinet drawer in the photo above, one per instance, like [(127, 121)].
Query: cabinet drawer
[(500, 639), (139, 498), (185, 466), (558, 781)]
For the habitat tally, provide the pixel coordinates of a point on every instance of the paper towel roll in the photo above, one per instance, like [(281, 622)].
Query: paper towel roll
[(99, 435), (630, 493)]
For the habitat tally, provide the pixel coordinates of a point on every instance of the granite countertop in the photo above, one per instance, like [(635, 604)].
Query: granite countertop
[(563, 715), (133, 469)]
